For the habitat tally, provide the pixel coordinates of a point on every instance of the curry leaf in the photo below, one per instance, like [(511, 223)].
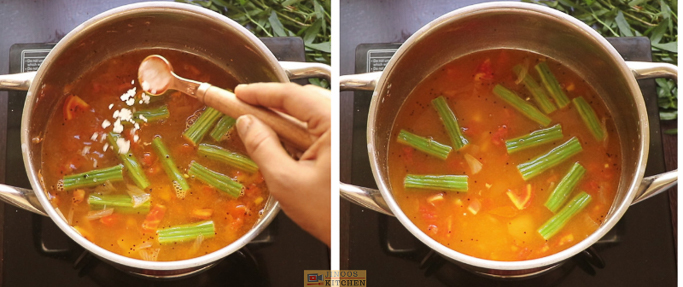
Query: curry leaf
[(275, 23), (624, 28), (324, 47), (671, 47), (668, 115)]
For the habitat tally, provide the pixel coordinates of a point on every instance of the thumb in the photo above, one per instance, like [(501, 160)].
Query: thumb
[(263, 145)]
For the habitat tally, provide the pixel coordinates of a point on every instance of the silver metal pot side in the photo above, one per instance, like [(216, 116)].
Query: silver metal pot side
[(145, 25), (522, 26)]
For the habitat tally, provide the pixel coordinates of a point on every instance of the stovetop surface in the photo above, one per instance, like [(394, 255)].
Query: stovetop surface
[(35, 252), (639, 251)]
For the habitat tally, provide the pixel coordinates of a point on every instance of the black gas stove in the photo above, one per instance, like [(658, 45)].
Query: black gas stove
[(638, 251), (35, 252)]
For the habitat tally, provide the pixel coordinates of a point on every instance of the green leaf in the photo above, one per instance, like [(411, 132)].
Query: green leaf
[(319, 82), (276, 25), (221, 3), (658, 32), (324, 47), (624, 27), (664, 83), (312, 31), (671, 46), (671, 131), (666, 11), (290, 2), (668, 115), (320, 15)]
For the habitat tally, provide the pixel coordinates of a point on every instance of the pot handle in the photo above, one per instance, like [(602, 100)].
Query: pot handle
[(19, 81), (647, 70), (365, 197), (359, 82), (22, 198), (304, 70), (653, 185)]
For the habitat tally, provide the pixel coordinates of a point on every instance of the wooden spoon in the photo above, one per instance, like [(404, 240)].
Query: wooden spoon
[(156, 77)]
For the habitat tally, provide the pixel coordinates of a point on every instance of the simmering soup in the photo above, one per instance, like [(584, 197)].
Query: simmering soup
[(505, 155), (154, 178)]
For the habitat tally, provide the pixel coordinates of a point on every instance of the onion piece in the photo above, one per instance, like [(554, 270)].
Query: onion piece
[(475, 165), (523, 72), (197, 243), (138, 196), (434, 198), (97, 214), (70, 216), (144, 246), (105, 188), (474, 206), (85, 150), (150, 254)]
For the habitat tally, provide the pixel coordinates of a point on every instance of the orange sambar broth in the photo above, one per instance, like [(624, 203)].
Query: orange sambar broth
[(63, 154), (499, 230)]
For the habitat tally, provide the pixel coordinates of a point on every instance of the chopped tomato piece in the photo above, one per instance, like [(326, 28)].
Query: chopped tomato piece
[(78, 196), (238, 211), (70, 165), (186, 149), (408, 155), (428, 212), (498, 138), (484, 71), (110, 220), (72, 105), (521, 200), (203, 213), (207, 188), (153, 218), (154, 169), (148, 159)]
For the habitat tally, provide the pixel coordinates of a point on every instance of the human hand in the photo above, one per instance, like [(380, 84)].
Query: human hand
[(302, 187)]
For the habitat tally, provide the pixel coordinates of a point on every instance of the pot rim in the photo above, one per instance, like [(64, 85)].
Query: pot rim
[(33, 172), (617, 210)]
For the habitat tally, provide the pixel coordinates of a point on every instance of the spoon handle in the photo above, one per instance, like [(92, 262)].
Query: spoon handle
[(288, 129)]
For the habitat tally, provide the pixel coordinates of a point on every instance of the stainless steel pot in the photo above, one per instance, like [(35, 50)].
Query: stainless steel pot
[(520, 26), (142, 26)]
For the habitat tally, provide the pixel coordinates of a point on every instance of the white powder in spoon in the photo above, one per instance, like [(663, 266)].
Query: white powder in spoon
[(155, 75)]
